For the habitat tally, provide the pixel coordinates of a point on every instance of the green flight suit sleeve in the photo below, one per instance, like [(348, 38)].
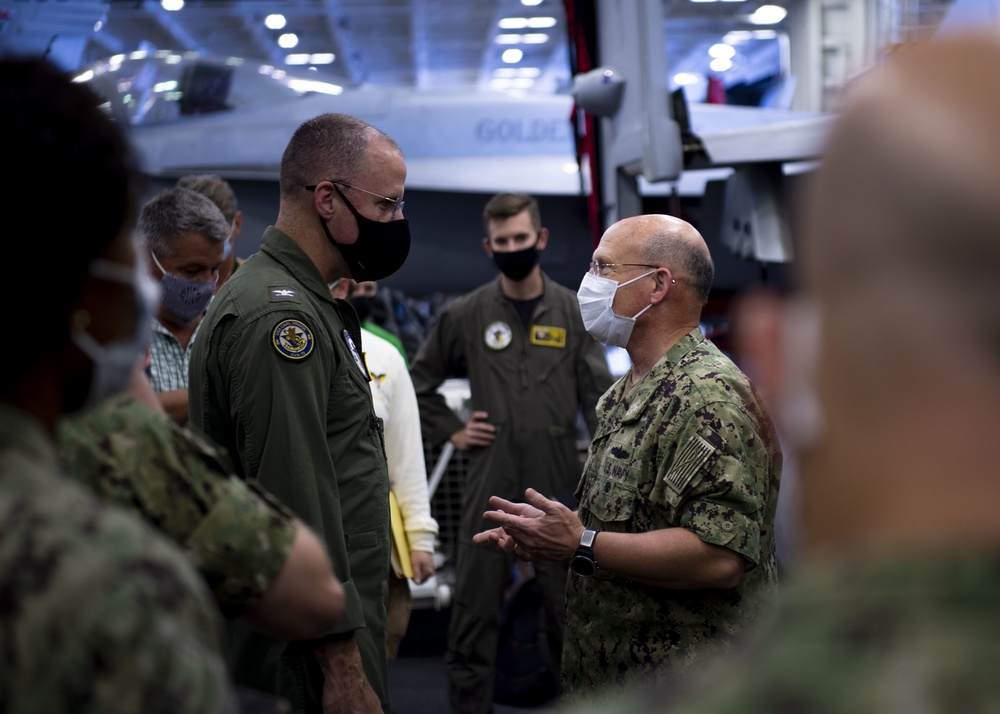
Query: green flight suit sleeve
[(594, 379), (440, 357), (282, 406)]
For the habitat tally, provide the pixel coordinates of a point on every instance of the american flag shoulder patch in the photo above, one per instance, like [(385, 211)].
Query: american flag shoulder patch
[(688, 460)]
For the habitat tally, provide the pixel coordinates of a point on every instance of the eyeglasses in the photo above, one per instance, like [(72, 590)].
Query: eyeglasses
[(603, 269), (397, 203)]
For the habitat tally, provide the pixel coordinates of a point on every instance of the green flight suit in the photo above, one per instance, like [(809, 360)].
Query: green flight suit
[(277, 378)]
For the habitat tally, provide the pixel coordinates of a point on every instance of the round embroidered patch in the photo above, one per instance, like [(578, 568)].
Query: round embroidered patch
[(292, 339), (497, 335)]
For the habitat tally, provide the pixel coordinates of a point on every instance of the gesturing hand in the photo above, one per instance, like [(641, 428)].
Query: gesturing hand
[(541, 529)]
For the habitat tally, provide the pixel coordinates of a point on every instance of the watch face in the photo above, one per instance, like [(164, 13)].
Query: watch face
[(583, 566)]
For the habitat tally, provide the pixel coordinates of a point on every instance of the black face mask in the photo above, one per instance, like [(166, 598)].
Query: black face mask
[(362, 305), (379, 251), (518, 263)]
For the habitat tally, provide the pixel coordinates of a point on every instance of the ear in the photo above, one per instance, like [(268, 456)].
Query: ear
[(758, 336), (543, 239), (237, 224), (662, 287), (339, 288), (486, 248), (324, 201)]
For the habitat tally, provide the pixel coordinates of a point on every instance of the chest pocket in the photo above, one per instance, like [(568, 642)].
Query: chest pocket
[(612, 493)]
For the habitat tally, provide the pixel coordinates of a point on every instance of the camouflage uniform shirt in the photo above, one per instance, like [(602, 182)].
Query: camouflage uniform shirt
[(99, 614), (894, 634), (236, 534), (688, 446)]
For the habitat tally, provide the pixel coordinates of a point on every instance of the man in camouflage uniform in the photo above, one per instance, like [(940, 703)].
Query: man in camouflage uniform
[(99, 613), (890, 401), (673, 541), (260, 561)]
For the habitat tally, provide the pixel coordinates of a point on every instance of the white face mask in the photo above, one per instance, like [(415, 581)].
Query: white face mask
[(114, 362), (596, 294)]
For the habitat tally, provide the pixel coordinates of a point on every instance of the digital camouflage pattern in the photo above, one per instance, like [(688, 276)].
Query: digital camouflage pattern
[(861, 634), (236, 534), (689, 446), (99, 614)]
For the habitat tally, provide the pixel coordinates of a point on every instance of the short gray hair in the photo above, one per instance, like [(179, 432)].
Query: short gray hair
[(175, 211)]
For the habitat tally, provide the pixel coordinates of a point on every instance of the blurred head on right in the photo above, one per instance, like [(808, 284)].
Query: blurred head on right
[(886, 367)]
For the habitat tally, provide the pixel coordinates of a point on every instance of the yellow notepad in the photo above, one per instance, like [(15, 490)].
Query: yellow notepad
[(401, 563)]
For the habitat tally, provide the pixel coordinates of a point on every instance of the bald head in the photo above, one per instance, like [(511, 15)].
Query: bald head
[(667, 241), (904, 225)]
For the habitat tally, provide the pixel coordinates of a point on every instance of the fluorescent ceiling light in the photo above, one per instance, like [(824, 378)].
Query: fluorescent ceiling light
[(310, 85), (722, 50), (682, 79), (768, 15), (520, 23), (532, 38), (274, 21), (720, 65), (288, 40), (513, 23), (172, 5), (512, 56)]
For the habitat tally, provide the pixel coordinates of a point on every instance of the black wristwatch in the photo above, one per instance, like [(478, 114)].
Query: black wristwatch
[(583, 562)]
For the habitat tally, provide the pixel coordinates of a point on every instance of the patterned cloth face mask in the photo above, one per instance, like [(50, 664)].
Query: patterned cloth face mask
[(186, 298)]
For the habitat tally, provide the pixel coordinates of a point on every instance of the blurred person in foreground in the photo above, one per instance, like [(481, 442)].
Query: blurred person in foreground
[(414, 529), (671, 552), (886, 372), (100, 613), (278, 378), (259, 560)]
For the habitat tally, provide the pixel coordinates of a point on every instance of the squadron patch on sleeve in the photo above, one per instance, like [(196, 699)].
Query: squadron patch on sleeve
[(292, 339), (497, 335), (547, 336)]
